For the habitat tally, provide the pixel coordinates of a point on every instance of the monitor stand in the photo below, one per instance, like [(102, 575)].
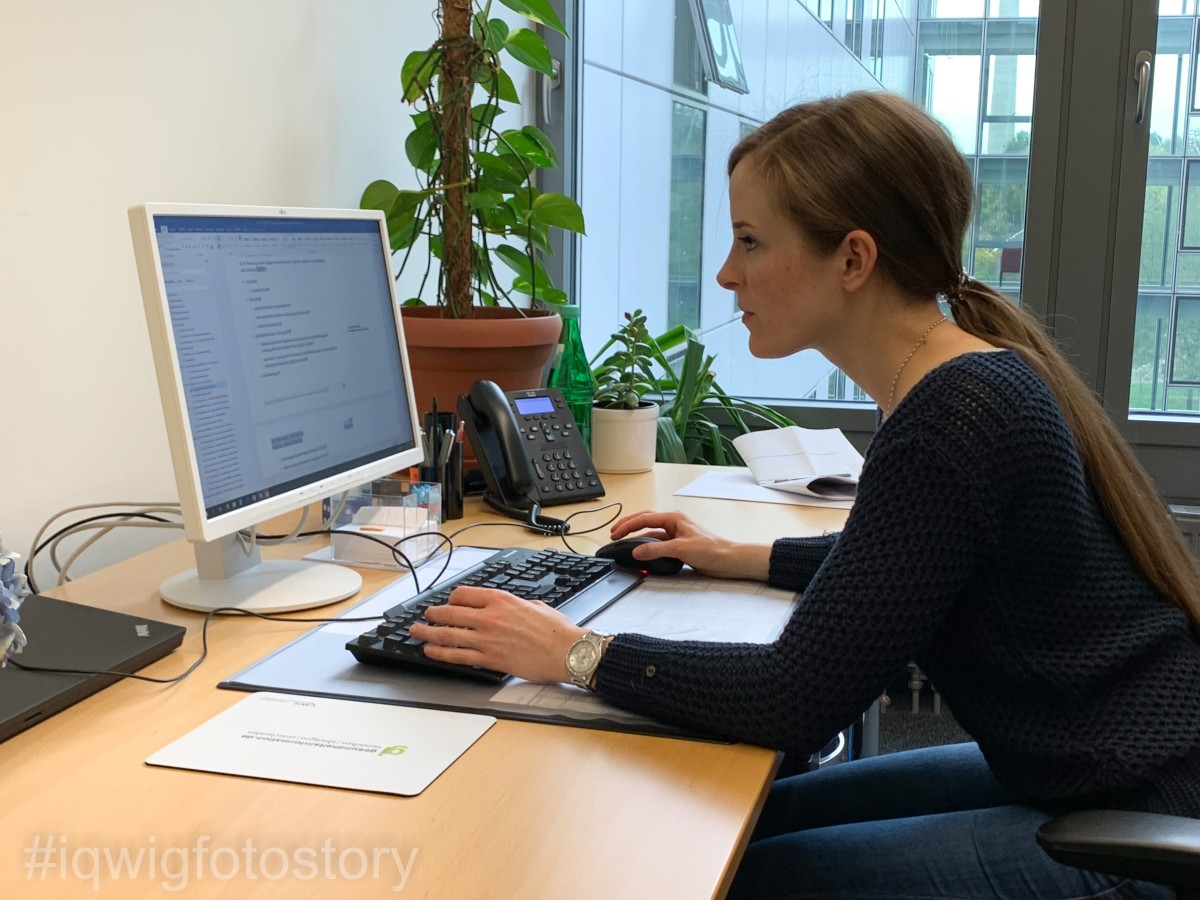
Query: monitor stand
[(226, 575)]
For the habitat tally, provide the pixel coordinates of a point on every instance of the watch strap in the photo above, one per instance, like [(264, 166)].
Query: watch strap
[(605, 640)]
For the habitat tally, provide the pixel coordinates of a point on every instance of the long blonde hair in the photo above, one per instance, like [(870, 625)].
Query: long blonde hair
[(874, 161)]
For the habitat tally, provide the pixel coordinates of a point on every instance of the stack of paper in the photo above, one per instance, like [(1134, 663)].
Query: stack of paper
[(818, 462)]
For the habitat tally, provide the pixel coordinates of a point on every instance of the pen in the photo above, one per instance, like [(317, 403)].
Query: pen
[(447, 447)]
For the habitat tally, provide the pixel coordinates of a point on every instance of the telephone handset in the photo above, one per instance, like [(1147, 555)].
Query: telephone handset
[(529, 451)]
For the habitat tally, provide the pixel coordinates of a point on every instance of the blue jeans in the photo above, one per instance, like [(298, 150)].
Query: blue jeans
[(930, 824)]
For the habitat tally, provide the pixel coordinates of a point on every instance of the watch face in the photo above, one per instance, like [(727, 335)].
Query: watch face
[(584, 656)]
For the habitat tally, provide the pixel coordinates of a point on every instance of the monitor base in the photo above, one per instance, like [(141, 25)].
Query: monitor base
[(271, 586)]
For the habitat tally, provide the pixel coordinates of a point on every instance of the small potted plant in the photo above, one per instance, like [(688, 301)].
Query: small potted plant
[(693, 414), (624, 423)]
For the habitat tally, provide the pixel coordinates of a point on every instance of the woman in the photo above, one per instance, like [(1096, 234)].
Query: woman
[(1004, 538)]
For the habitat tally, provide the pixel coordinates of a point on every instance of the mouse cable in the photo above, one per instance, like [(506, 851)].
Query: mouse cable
[(231, 610), (604, 524)]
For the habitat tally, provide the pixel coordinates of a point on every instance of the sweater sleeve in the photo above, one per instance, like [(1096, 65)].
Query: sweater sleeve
[(909, 548), (794, 561)]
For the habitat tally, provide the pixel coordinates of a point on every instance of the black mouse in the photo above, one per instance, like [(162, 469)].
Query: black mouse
[(621, 552)]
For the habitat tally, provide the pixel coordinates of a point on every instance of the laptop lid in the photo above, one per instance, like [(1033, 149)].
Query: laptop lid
[(66, 635)]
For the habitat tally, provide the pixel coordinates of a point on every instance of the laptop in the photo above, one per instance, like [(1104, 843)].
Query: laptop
[(66, 635)]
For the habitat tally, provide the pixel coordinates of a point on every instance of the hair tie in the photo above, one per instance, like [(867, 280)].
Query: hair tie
[(955, 292)]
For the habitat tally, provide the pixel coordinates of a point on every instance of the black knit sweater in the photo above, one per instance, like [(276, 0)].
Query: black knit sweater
[(976, 549)]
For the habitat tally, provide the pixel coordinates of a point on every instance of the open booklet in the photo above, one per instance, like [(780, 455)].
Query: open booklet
[(820, 462)]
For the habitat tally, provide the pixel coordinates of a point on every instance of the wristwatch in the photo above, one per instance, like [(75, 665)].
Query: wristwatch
[(584, 656)]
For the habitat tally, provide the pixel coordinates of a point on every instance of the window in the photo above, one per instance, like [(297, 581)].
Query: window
[(655, 192), (1112, 264), (719, 44), (1164, 375)]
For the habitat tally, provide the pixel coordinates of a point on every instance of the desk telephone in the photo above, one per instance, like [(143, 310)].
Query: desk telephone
[(529, 451)]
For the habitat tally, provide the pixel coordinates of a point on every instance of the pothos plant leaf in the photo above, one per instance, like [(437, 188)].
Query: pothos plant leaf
[(550, 209), (527, 47), (539, 11), (418, 72)]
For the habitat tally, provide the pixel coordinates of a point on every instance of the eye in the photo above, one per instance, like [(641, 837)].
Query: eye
[(748, 242)]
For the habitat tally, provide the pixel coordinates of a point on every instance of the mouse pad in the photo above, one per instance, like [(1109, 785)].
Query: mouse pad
[(336, 743)]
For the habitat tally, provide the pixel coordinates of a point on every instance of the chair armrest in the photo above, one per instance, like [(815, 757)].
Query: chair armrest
[(1145, 846)]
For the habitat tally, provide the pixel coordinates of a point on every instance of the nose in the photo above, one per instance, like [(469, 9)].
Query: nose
[(727, 275)]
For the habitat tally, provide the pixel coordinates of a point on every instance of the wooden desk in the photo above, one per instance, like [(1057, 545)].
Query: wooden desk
[(529, 811)]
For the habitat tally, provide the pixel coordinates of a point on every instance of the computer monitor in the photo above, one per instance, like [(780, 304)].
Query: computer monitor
[(284, 379)]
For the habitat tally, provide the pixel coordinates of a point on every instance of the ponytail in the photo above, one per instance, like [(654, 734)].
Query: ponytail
[(1131, 501)]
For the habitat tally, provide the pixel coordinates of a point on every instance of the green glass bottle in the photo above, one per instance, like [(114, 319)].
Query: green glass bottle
[(572, 375)]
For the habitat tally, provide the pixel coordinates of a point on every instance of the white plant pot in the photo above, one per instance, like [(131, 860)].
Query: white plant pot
[(623, 440)]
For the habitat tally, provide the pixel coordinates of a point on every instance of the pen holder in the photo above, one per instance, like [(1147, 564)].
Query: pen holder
[(396, 512), (450, 478)]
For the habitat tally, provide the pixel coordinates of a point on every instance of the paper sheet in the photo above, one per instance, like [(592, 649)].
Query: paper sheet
[(736, 483), (819, 461), (336, 743)]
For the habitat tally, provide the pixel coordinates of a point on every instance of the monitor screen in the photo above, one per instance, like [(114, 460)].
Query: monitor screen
[(280, 356)]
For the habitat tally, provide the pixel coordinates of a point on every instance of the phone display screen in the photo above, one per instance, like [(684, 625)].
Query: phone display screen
[(532, 406)]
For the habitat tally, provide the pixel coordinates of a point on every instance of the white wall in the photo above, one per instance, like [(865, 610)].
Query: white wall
[(106, 105)]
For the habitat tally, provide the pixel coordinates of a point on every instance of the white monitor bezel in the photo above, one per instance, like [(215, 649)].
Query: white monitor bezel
[(198, 526)]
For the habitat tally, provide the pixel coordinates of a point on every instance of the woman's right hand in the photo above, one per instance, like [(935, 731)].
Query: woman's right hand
[(704, 551)]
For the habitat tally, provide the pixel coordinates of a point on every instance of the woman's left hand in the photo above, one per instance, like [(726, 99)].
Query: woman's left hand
[(500, 631)]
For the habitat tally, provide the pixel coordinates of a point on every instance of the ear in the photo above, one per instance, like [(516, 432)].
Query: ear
[(857, 255)]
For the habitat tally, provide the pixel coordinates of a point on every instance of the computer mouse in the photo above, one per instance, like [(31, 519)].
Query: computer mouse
[(621, 552)]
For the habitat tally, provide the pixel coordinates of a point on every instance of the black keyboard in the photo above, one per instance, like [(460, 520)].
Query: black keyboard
[(579, 586)]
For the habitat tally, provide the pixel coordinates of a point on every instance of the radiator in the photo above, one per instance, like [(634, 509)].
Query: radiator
[(1188, 518)]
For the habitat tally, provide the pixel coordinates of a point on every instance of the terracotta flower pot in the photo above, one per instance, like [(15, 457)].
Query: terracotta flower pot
[(448, 355)]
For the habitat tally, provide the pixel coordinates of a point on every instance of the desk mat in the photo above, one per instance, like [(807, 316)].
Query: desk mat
[(683, 606)]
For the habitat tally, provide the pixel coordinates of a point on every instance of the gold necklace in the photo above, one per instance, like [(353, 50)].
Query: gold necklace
[(896, 380)]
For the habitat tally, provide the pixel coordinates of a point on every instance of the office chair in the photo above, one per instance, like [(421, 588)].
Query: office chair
[(1146, 846)]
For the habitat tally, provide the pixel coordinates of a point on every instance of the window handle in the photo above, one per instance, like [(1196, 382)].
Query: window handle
[(548, 85), (1141, 74)]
